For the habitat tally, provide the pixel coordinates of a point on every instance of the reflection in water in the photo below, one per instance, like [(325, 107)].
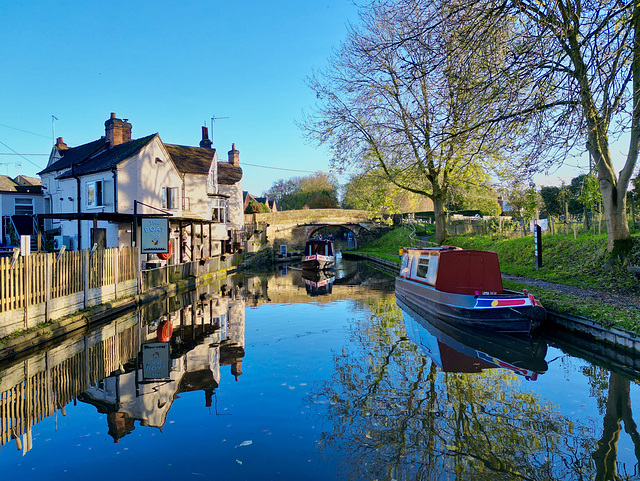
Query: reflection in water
[(403, 415), (457, 349), (338, 386), (204, 329), (318, 283)]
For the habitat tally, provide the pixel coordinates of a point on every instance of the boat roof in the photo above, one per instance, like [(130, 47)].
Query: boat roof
[(433, 249)]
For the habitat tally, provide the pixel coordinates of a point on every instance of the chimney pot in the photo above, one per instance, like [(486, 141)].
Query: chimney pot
[(234, 156), (205, 143)]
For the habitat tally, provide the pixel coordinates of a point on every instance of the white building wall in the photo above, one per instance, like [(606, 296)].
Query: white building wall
[(236, 210), (142, 177), (195, 188)]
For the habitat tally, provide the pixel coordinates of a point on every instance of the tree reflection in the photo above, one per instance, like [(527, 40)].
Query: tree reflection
[(618, 412), (397, 416)]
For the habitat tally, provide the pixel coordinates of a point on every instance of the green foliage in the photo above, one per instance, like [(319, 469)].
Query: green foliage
[(316, 191), (480, 198), (373, 192), (525, 199), (256, 208)]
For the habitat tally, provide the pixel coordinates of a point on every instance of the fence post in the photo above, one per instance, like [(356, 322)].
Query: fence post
[(116, 272), (47, 288), (86, 276), (26, 287)]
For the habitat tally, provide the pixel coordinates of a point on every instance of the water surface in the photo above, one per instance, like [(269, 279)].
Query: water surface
[(271, 379)]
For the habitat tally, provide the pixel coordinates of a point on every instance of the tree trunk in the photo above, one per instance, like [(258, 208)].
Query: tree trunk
[(615, 213), (440, 219)]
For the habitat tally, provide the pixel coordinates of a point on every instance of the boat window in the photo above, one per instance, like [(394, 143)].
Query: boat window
[(423, 267)]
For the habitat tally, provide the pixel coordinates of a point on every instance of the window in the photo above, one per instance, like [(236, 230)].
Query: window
[(220, 209), (170, 198), (94, 194), (423, 267), (23, 206)]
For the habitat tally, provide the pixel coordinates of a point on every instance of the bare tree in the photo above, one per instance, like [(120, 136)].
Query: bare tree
[(572, 68), (407, 94)]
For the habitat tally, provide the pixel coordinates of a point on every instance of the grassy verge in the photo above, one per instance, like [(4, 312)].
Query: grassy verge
[(581, 262)]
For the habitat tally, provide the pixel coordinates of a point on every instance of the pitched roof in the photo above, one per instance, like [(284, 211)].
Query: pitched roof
[(24, 181), (76, 155), (105, 160), (7, 184), (197, 160), (21, 183)]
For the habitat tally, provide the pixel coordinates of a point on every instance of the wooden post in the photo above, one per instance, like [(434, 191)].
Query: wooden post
[(86, 276), (47, 288), (116, 271), (26, 266)]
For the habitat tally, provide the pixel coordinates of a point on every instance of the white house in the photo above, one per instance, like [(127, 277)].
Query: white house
[(91, 192), (20, 199)]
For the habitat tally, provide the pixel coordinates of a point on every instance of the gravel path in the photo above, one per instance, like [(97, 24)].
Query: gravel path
[(616, 299)]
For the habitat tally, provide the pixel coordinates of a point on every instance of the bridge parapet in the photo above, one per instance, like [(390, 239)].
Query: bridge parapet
[(294, 227)]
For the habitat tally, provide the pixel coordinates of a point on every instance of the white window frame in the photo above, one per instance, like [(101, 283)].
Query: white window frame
[(220, 209), (95, 194), (171, 198)]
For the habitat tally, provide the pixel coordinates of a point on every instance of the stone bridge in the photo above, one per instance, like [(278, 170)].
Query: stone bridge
[(293, 227)]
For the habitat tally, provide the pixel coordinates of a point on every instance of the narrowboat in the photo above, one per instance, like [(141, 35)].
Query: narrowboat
[(318, 255), (464, 287), (459, 349)]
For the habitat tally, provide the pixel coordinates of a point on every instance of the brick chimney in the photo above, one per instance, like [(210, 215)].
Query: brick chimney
[(205, 143), (234, 156), (60, 145), (117, 131)]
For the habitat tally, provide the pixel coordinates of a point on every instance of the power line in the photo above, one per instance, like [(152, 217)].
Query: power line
[(11, 153), (25, 131), (31, 162), (281, 168)]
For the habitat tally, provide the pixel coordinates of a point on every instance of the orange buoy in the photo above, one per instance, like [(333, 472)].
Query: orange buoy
[(166, 255), (165, 331)]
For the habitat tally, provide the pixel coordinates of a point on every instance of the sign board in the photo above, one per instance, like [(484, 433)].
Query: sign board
[(154, 235), (283, 249), (537, 252), (155, 361)]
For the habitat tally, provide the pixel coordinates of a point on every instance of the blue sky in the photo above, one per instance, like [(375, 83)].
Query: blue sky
[(168, 67)]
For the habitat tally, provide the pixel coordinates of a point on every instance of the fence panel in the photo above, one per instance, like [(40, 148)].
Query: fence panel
[(127, 264), (67, 274)]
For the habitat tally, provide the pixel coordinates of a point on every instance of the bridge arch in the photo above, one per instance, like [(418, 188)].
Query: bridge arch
[(293, 228)]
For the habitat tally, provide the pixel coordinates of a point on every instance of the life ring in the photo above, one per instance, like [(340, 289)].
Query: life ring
[(165, 256), (165, 331)]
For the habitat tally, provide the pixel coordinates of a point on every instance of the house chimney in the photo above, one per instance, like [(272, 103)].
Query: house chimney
[(205, 143), (117, 131), (234, 156), (60, 145)]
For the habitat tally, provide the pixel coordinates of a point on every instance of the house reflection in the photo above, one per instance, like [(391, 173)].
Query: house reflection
[(208, 334), (102, 366)]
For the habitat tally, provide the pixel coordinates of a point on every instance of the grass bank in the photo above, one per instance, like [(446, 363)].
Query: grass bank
[(581, 262)]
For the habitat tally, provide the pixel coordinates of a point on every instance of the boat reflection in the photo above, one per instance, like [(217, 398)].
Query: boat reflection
[(456, 349), (318, 283)]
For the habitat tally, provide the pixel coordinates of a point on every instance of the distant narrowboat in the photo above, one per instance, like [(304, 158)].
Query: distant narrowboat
[(464, 287), (318, 254)]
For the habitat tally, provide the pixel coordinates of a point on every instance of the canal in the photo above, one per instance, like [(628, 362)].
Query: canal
[(290, 376)]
